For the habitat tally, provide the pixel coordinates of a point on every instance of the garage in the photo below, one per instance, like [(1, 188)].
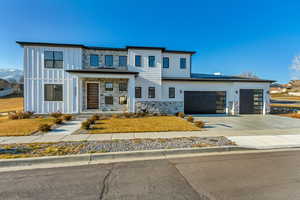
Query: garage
[(251, 101), (205, 102)]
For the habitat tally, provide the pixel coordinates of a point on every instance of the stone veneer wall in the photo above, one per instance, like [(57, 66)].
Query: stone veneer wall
[(101, 54), (163, 107), (115, 93)]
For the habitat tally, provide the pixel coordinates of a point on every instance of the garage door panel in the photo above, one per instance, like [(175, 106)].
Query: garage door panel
[(251, 101)]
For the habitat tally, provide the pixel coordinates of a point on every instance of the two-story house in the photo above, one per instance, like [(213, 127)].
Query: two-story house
[(74, 78)]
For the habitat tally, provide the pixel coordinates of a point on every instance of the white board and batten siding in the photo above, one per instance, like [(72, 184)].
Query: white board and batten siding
[(174, 65), (36, 76)]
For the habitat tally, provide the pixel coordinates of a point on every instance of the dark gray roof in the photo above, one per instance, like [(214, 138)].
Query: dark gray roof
[(102, 71), (22, 43), (212, 77)]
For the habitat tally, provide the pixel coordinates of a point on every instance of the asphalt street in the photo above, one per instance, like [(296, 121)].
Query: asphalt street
[(266, 176)]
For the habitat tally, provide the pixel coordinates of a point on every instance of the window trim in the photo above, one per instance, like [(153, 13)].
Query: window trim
[(150, 60), (112, 60), (164, 62), (53, 60), (149, 89), (172, 96), (140, 88), (91, 60), (125, 63), (112, 103), (184, 63), (107, 88), (135, 63), (62, 93)]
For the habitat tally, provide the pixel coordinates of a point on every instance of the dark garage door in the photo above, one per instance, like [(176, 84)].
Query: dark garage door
[(251, 101), (204, 102)]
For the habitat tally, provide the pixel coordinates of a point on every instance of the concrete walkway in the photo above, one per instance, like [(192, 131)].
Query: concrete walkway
[(67, 128)]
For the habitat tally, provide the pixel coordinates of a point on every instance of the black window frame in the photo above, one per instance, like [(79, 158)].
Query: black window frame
[(138, 64), (106, 60), (181, 63), (124, 64), (94, 55), (172, 92), (49, 96), (54, 60), (123, 102), (109, 88), (138, 90), (151, 92), (109, 100), (168, 59), (123, 87), (151, 61)]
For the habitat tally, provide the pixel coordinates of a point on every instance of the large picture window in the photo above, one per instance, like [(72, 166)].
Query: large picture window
[(53, 59), (53, 92)]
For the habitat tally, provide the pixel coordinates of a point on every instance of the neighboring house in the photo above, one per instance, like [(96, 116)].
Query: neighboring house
[(277, 88), (74, 78), (5, 88)]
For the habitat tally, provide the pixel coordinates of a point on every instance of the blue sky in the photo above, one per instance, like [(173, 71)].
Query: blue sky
[(230, 36)]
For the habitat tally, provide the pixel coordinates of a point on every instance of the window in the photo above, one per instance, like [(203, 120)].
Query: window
[(138, 61), (53, 92), (151, 61), (109, 100), (165, 62), (122, 87), (182, 63), (109, 86), (151, 92), (109, 60), (138, 92), (123, 100), (94, 60), (122, 61), (53, 59), (171, 92)]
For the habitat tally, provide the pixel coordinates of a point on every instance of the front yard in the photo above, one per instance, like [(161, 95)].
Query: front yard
[(10, 104), (143, 124), (21, 127)]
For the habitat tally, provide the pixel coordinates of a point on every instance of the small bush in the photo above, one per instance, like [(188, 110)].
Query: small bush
[(190, 119), (199, 124), (56, 114), (95, 117), (128, 115), (20, 115), (67, 117), (85, 125), (44, 127), (181, 115), (141, 114), (13, 116), (58, 121), (91, 121), (115, 116)]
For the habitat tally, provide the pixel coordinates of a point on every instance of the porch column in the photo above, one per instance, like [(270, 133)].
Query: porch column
[(131, 95)]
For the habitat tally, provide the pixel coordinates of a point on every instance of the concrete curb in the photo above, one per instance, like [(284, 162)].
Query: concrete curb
[(88, 158)]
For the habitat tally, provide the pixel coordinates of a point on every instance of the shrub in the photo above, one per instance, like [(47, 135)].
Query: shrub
[(115, 116), (20, 115), (44, 127), (128, 115), (58, 121), (67, 117), (181, 114), (199, 124), (91, 121), (85, 125), (190, 119), (141, 114), (13, 116), (95, 117), (56, 114)]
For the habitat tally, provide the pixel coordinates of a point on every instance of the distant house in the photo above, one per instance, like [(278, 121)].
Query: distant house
[(277, 88), (6, 88)]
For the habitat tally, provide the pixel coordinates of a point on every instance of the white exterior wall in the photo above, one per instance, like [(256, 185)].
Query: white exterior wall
[(174, 65), (35, 76), (148, 76), (231, 88)]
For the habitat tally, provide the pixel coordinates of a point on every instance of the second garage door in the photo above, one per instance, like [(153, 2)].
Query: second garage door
[(204, 102)]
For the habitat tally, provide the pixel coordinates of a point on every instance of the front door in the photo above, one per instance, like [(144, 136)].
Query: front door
[(92, 95)]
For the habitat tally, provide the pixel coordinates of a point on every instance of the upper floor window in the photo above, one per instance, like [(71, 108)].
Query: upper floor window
[(122, 86), (138, 92), (122, 61), (138, 61), (53, 92), (151, 61), (94, 60), (182, 63), (151, 92), (53, 59), (109, 86), (109, 60), (171, 92), (165, 62)]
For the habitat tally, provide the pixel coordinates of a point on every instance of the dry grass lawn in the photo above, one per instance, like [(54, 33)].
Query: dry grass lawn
[(11, 104), (285, 105), (292, 115), (21, 127), (285, 97), (145, 124)]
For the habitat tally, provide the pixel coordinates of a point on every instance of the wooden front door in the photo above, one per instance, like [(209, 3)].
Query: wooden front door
[(92, 95)]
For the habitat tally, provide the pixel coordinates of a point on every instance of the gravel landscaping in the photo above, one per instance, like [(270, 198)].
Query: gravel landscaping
[(68, 148)]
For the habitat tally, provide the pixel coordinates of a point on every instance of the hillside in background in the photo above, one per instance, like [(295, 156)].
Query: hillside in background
[(11, 75)]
